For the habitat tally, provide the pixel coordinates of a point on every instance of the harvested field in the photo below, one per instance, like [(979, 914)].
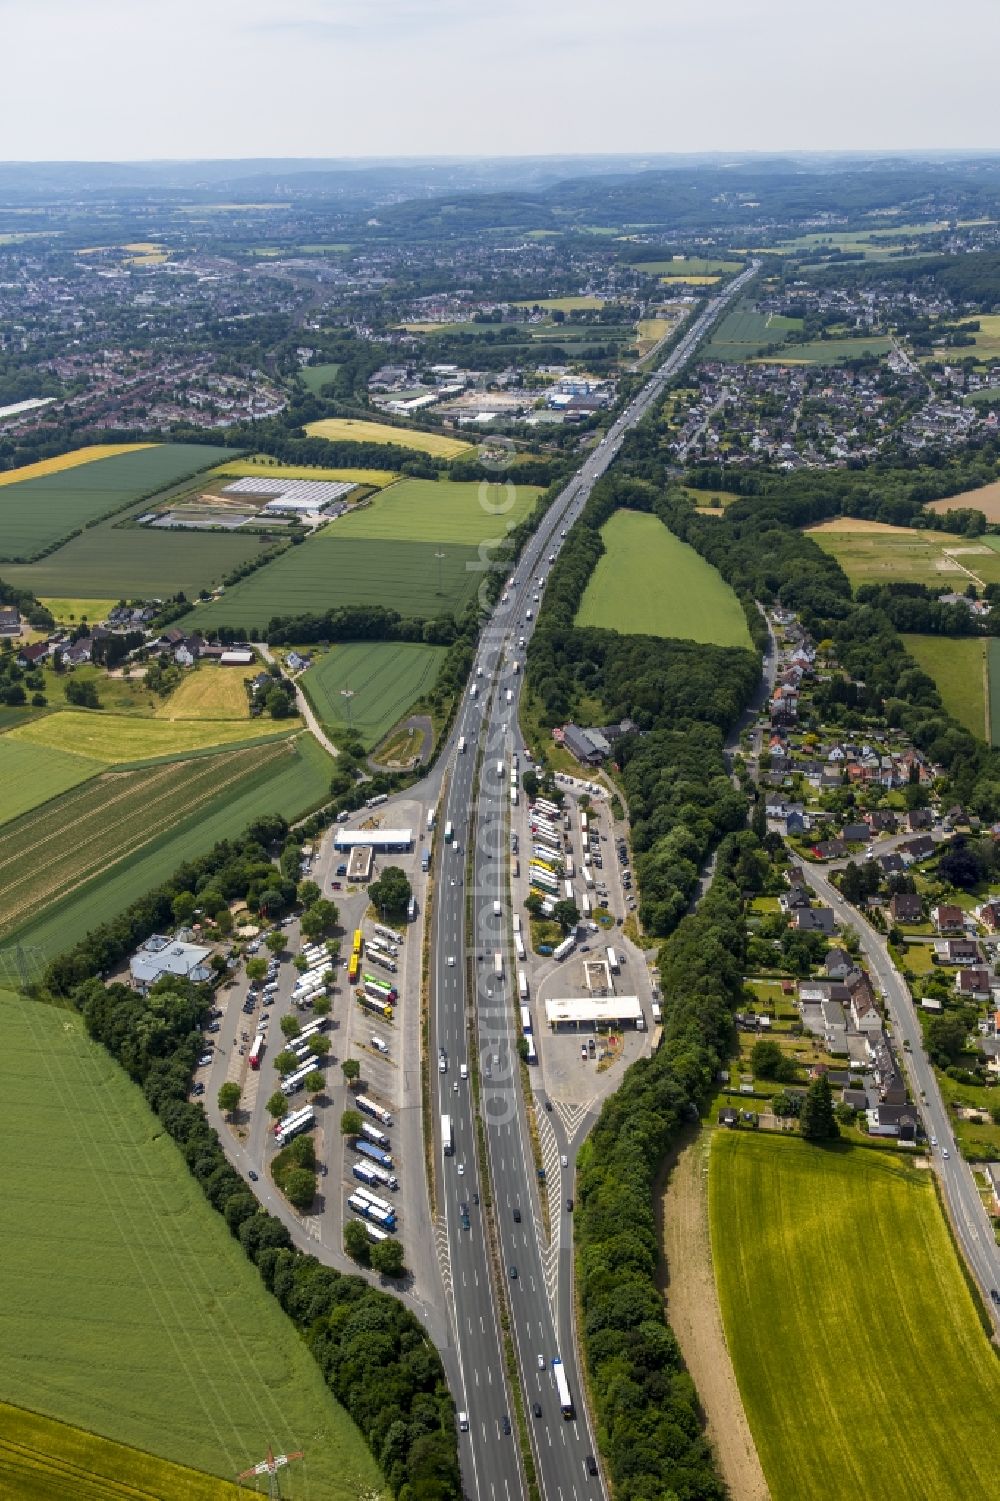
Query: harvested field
[(870, 552), (986, 499), (210, 692), (129, 1309), (356, 430), (124, 849), (117, 738)]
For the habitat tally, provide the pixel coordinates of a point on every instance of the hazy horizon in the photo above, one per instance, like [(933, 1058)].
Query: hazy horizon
[(237, 79)]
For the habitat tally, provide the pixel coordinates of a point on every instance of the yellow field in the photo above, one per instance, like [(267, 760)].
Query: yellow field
[(114, 738), (70, 460), (563, 304), (987, 340), (210, 693), (693, 281), (650, 332), (353, 430), (71, 611), (44, 1460), (239, 468)]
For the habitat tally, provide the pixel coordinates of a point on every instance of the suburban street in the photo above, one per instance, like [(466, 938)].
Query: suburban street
[(968, 1215)]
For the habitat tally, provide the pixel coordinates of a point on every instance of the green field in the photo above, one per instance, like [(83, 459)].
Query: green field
[(691, 265), (42, 1459), (742, 334), (338, 570), (385, 677), (30, 777), (987, 340), (35, 513), (317, 376), (650, 582), (121, 849), (115, 562), (425, 510), (829, 351), (993, 670), (128, 1308), (870, 553), (862, 1365), (58, 847), (118, 738), (958, 670)]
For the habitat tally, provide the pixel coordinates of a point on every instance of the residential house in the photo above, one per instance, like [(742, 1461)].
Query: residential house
[(889, 1082), (893, 1120), (855, 833), (791, 901), (906, 906), (948, 919), (838, 963), (919, 819), (892, 864), (834, 1028), (973, 984), (830, 849), (917, 849), (30, 656), (814, 920), (10, 620), (989, 916), (864, 1012), (882, 821), (958, 951)]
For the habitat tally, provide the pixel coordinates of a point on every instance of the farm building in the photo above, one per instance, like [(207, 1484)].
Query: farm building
[(592, 1011), (292, 496), (375, 839), (236, 657)]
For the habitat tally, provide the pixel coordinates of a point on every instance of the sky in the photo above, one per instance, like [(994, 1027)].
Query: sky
[(137, 79)]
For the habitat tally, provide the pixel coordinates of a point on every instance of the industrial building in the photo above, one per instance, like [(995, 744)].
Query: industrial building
[(593, 1012), (375, 839)]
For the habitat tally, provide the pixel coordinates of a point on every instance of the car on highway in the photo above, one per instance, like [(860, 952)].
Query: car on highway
[(517, 1216), (945, 1152), (506, 1423), (461, 1169), (252, 1176), (536, 1408), (463, 1210), (513, 1272), (451, 957), (591, 1464), (934, 1141), (569, 1206), (995, 1295), (564, 1160)]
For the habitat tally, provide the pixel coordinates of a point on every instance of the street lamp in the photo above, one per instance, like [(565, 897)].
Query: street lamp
[(348, 693), (440, 559)]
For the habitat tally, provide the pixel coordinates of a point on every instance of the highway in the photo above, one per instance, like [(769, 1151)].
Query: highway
[(468, 1000), (968, 1216)]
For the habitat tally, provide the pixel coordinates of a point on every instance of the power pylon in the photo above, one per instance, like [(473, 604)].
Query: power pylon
[(270, 1467)]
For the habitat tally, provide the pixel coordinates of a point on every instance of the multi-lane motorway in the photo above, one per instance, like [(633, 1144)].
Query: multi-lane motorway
[(473, 1007)]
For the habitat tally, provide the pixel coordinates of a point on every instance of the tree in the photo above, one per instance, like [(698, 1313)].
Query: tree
[(277, 1105), (229, 1097), (182, 907), (290, 1026), (387, 1258), (82, 695), (320, 1045), (275, 942), (321, 917), (946, 1037), (769, 1062), (322, 1005), (817, 1121), (299, 1187), (306, 893), (256, 969), (351, 1123), (392, 892), (286, 1063), (529, 781), (351, 1070), (533, 903), (566, 913), (315, 1081), (356, 1242)]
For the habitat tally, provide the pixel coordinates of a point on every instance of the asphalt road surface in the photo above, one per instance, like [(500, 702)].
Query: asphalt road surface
[(464, 967)]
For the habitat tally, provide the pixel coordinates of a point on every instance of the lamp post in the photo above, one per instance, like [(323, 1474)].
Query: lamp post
[(440, 559), (348, 693)]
